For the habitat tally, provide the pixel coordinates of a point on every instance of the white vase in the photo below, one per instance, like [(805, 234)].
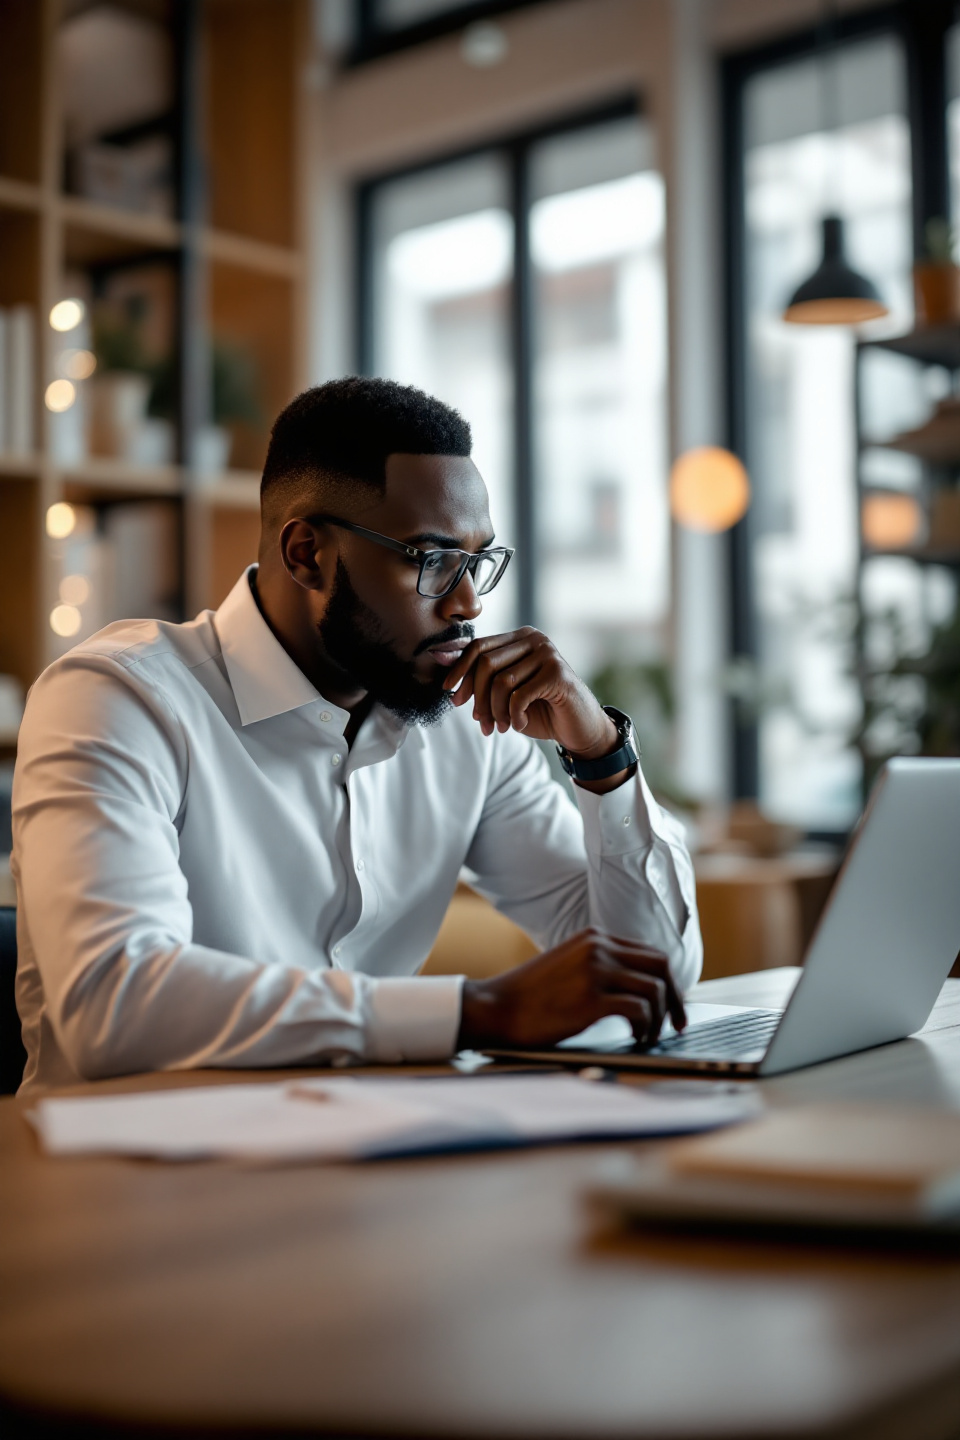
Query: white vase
[(118, 407), (211, 449)]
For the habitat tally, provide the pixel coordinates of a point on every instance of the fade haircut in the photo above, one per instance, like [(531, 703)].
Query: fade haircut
[(339, 435)]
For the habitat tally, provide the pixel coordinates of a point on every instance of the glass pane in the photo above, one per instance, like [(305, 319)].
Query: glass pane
[(600, 396), (443, 266), (801, 438), (953, 125)]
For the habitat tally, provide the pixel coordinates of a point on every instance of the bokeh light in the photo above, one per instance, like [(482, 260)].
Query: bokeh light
[(60, 395), (79, 364), (65, 620), (74, 589), (61, 520), (67, 314), (709, 489), (891, 522)]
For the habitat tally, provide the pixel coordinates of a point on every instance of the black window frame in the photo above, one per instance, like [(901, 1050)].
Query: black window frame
[(922, 29), (372, 41), (516, 148)]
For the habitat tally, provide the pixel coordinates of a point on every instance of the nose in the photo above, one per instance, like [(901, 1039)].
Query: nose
[(463, 602)]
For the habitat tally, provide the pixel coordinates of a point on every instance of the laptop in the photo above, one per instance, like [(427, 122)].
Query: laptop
[(873, 970)]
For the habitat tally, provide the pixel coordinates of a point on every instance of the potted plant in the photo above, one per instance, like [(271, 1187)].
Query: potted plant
[(936, 278), (120, 388), (234, 399)]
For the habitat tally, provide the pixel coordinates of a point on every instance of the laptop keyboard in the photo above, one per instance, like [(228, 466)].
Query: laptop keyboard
[(729, 1038)]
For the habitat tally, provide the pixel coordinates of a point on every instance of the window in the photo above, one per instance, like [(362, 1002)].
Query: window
[(526, 286), (797, 422)]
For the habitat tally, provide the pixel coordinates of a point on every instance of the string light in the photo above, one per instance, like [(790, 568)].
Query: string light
[(74, 589), (79, 364), (61, 520), (65, 620), (60, 395), (67, 314)]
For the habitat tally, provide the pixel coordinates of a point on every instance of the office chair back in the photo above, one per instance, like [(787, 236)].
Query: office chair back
[(13, 1057)]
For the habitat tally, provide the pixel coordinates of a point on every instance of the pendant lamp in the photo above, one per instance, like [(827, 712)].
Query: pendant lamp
[(835, 294)]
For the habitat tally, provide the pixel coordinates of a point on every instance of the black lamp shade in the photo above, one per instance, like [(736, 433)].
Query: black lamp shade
[(834, 294)]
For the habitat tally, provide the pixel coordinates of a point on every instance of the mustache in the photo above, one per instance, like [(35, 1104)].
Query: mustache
[(453, 632)]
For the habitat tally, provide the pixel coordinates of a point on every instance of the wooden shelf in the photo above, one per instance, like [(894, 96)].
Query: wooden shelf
[(97, 233), (103, 473), (923, 555), (251, 268), (26, 467), (235, 489), (931, 344)]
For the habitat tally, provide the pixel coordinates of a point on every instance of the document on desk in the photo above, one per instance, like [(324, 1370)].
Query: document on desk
[(361, 1118)]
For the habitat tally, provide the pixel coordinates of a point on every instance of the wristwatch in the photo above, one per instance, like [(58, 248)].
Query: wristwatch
[(622, 758)]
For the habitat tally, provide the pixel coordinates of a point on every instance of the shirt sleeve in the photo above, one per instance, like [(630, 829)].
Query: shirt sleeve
[(621, 863), (99, 793)]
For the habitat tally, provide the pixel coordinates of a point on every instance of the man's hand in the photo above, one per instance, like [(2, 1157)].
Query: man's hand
[(562, 991), (520, 680)]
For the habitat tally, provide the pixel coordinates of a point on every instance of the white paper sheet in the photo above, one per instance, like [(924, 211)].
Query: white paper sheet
[(349, 1118)]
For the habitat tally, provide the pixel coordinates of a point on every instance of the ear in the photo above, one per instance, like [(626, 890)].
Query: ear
[(308, 554)]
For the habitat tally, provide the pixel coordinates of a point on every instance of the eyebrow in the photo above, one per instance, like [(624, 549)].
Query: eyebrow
[(446, 542)]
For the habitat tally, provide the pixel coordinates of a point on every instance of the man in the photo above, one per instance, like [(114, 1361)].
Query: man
[(235, 839)]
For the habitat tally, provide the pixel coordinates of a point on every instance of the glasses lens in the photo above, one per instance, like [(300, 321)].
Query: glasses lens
[(490, 566), (439, 571)]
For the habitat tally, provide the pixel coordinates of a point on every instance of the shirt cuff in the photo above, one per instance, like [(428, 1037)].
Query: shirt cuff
[(415, 1019), (622, 821)]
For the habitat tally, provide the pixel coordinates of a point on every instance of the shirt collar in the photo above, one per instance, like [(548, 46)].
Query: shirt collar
[(264, 679)]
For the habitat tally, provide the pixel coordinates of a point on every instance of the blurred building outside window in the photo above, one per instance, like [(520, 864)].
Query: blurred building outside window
[(443, 316), (800, 416)]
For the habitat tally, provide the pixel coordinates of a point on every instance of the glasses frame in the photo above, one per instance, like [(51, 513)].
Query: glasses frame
[(469, 559)]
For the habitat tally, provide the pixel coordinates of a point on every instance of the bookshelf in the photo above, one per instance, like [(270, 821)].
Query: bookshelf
[(212, 256)]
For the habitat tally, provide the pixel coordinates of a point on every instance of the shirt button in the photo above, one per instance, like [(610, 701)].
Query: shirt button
[(336, 951), (325, 716), (359, 864), (626, 819), (335, 759)]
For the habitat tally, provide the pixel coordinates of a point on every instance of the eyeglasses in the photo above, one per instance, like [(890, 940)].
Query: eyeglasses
[(440, 570)]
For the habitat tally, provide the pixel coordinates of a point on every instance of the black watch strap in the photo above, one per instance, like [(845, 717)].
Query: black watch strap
[(626, 755)]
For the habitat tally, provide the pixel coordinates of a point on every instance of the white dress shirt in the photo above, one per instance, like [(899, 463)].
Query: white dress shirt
[(208, 875)]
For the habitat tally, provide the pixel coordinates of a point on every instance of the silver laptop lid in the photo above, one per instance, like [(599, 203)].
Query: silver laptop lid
[(891, 929)]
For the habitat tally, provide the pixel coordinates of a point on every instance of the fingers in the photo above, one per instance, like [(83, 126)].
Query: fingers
[(619, 980), (644, 960), (479, 648), (493, 676), (634, 1008)]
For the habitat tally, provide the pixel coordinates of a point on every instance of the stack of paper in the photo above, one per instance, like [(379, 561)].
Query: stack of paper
[(349, 1118), (841, 1165)]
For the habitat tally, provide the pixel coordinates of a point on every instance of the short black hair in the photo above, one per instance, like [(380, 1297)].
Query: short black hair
[(343, 431)]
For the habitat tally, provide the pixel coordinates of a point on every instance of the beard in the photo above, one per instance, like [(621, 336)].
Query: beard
[(354, 639)]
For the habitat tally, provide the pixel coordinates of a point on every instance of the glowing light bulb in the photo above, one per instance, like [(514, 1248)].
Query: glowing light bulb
[(61, 520), (79, 364), (60, 395), (709, 489), (74, 589), (67, 314), (65, 620), (891, 522)]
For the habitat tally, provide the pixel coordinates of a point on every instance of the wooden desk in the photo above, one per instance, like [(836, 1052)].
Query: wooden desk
[(465, 1297)]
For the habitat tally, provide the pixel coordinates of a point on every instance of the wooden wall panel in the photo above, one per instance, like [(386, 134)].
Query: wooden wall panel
[(251, 117)]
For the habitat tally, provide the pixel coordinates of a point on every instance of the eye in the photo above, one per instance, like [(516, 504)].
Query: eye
[(433, 560)]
